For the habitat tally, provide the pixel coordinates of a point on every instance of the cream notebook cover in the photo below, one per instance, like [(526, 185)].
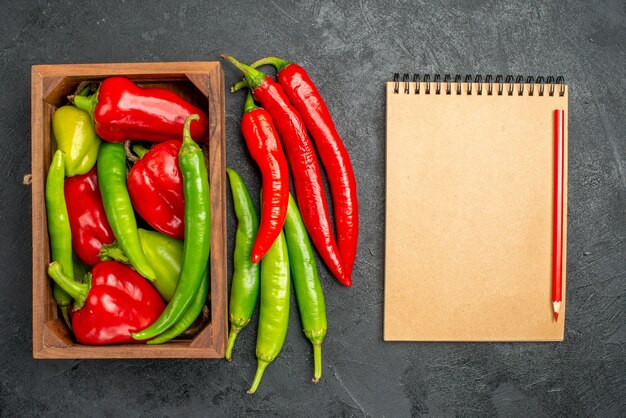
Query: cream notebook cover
[(469, 209)]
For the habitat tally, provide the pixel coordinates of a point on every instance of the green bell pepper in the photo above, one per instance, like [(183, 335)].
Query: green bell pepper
[(164, 254), (76, 136)]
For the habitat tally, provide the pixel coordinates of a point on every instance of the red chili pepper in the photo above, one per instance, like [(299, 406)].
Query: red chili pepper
[(122, 111), (155, 185), (88, 221), (262, 141), (305, 97), (304, 166), (113, 303)]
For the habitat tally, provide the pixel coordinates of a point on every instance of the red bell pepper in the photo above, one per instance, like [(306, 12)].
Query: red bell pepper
[(123, 111), (155, 186), (111, 304), (88, 221)]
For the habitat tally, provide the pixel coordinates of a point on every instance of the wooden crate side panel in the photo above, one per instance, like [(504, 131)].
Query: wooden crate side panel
[(38, 219), (218, 206)]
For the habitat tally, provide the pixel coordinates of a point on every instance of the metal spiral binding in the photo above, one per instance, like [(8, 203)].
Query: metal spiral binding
[(500, 81), (500, 84), (457, 80)]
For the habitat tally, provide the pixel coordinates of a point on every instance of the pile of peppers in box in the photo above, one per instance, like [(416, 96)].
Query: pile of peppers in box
[(151, 285), (143, 285)]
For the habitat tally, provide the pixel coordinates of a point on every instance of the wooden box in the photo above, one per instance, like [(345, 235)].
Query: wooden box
[(202, 83)]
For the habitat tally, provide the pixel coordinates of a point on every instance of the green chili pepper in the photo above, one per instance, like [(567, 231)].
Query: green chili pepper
[(190, 315), (64, 301), (197, 234), (76, 137), (306, 284), (59, 227), (163, 253), (244, 290), (274, 310), (117, 205), (80, 269)]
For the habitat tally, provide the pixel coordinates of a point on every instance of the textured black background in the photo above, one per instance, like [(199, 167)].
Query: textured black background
[(350, 50)]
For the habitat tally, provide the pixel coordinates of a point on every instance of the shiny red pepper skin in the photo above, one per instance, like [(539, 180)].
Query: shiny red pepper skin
[(305, 97), (264, 146), (88, 221), (122, 111), (305, 169), (113, 303), (155, 186), (120, 301)]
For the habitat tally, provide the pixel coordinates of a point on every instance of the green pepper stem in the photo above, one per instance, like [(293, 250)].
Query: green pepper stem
[(60, 296), (317, 362), (86, 103), (254, 78), (249, 105), (260, 368), (232, 336), (85, 91), (187, 139), (113, 252), (275, 62), (78, 291), (139, 150), (235, 87)]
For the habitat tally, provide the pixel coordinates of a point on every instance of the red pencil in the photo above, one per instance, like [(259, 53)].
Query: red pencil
[(557, 262)]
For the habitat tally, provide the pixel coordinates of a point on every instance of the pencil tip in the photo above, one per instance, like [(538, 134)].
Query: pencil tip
[(556, 308)]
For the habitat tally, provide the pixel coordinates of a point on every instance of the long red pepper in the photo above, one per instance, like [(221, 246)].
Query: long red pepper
[(88, 221), (305, 97), (264, 146), (303, 161)]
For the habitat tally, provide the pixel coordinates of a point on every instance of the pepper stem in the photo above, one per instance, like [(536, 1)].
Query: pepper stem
[(235, 87), (76, 290), (85, 91), (254, 78), (275, 62), (86, 103), (232, 336), (249, 105), (187, 139), (129, 155), (317, 362), (112, 252), (260, 368), (139, 150)]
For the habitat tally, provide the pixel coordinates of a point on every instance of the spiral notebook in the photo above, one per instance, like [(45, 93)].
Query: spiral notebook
[(469, 208)]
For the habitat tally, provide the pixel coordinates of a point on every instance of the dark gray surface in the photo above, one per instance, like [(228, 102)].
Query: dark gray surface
[(349, 50)]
